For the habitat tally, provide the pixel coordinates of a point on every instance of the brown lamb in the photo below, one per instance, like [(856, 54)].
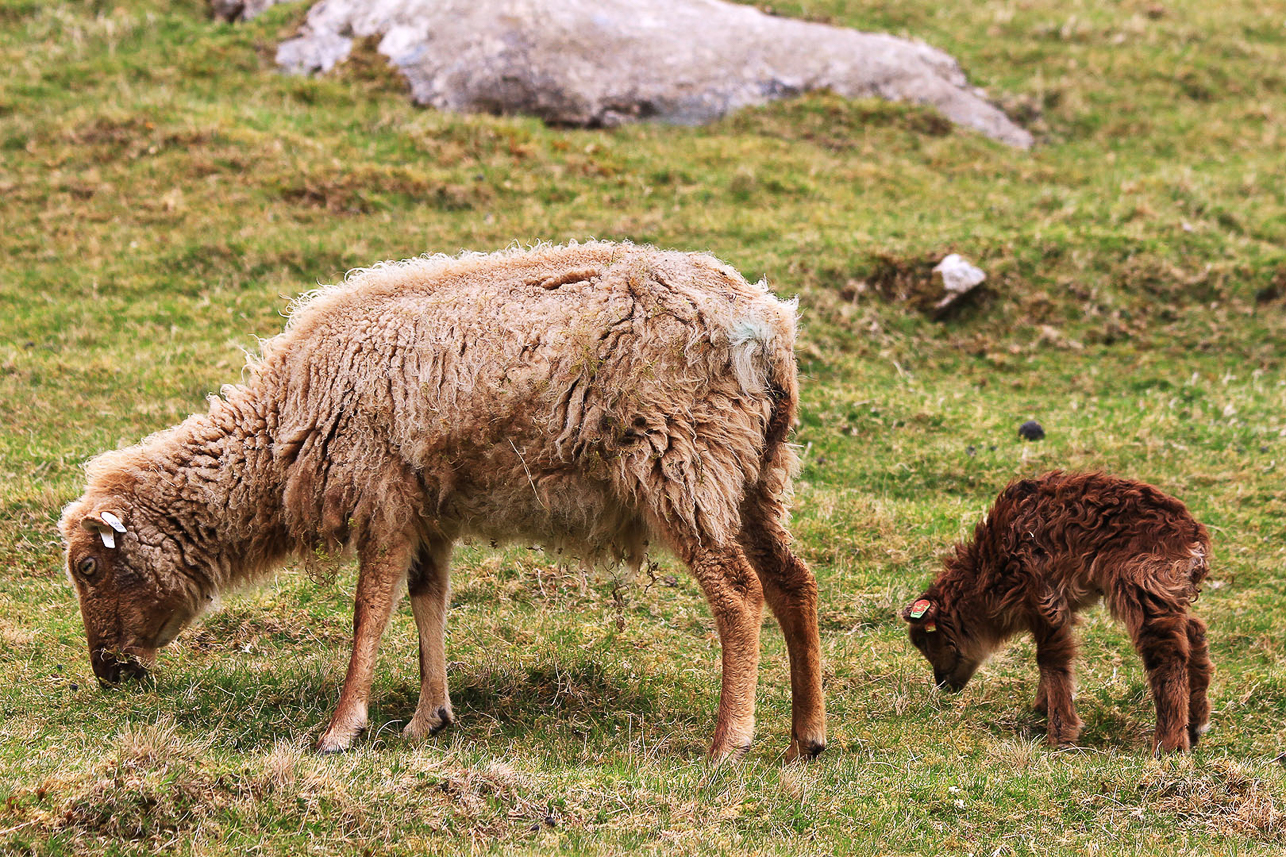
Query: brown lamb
[(591, 397), (1049, 548)]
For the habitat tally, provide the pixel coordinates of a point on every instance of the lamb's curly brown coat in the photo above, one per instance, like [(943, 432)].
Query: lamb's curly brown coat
[(590, 397), (1052, 546)]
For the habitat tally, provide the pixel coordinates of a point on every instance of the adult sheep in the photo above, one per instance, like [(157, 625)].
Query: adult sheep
[(591, 397)]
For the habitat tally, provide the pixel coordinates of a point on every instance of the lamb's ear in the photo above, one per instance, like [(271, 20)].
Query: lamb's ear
[(922, 611), (106, 524)]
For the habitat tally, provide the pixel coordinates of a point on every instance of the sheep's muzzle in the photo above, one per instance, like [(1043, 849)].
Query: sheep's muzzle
[(112, 666)]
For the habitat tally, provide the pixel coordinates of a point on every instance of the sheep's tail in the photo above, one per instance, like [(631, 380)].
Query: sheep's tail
[(775, 373)]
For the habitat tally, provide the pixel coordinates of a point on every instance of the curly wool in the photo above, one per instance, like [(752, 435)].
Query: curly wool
[(1055, 544), (585, 397)]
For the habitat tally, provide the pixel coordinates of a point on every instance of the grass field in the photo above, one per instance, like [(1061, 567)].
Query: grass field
[(163, 193)]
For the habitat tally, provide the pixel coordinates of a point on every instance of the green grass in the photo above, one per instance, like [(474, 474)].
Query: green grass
[(164, 193)]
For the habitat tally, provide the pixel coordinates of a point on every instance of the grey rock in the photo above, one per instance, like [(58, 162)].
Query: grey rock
[(604, 62), (1031, 430)]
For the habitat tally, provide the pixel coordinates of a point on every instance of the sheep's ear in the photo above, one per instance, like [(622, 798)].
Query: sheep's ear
[(106, 524), (922, 611)]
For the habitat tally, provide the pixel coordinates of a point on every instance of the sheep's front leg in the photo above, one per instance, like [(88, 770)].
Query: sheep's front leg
[(428, 584), (378, 584), (1055, 650)]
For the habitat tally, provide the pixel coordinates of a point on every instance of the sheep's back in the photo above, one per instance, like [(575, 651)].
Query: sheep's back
[(560, 390)]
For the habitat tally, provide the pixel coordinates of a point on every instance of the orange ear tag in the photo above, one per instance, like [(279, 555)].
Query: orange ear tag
[(930, 627), (920, 607)]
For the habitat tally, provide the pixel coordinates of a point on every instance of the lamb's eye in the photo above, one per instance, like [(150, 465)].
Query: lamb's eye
[(87, 567)]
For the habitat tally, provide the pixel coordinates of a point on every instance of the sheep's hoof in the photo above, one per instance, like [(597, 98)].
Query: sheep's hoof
[(422, 726), (806, 750), (337, 739), (329, 744), (729, 753)]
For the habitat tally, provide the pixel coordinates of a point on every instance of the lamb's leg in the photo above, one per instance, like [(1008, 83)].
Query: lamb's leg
[(1055, 650), (1041, 705), (1162, 642), (736, 599), (791, 592), (378, 585), (428, 585), (1199, 671)]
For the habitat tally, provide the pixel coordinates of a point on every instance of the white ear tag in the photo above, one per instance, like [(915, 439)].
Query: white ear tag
[(113, 522), (109, 538)]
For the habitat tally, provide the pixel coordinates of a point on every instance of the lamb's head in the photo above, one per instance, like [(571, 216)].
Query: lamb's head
[(938, 632), (135, 591)]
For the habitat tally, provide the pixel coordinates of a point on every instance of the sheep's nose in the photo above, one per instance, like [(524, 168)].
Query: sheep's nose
[(111, 667)]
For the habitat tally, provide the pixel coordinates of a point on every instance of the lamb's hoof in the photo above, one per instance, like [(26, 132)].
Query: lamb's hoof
[(1195, 733), (1164, 748), (422, 726), (806, 750), (1061, 743)]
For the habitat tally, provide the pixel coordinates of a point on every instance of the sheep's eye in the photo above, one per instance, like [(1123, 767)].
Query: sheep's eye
[(86, 567)]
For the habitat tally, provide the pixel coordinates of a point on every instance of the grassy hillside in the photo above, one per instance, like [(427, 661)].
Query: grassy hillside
[(163, 193)]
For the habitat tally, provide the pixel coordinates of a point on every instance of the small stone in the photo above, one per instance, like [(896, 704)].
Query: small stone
[(971, 451), (1031, 430), (957, 278), (75, 686)]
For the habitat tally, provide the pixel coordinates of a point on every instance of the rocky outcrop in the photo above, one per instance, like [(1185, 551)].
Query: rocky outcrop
[(604, 62)]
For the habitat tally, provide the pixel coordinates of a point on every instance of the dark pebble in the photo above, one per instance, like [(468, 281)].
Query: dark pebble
[(1031, 430), (970, 451), (75, 687)]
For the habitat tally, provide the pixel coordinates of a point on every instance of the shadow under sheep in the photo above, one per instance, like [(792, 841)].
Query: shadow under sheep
[(581, 702)]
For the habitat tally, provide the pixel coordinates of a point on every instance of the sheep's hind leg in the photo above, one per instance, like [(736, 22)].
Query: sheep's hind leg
[(791, 591), (428, 584), (378, 584)]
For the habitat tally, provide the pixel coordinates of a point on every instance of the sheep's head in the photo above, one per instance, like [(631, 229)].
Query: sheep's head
[(126, 571), (949, 649)]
